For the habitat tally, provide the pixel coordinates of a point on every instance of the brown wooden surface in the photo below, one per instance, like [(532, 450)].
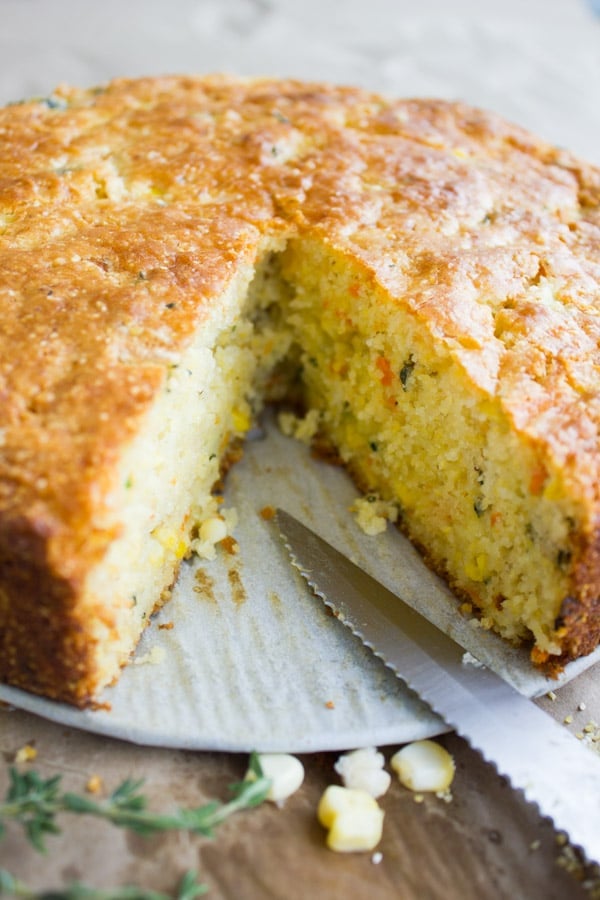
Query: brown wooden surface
[(481, 845)]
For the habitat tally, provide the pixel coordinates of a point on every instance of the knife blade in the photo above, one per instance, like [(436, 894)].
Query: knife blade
[(539, 756)]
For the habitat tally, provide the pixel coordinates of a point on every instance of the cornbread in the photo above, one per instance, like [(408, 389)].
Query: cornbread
[(176, 251)]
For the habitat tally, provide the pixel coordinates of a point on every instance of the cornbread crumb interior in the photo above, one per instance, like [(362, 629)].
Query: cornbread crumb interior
[(176, 252)]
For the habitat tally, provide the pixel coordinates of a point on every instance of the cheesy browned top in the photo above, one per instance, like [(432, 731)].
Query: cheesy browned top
[(125, 210)]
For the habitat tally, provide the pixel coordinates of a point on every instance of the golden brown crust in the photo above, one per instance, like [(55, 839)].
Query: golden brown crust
[(44, 646), (125, 210), (578, 622)]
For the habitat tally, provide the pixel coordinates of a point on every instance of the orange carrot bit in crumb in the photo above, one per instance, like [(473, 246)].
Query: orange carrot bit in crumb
[(330, 704), (538, 657), (537, 480), (387, 376), (354, 289), (495, 517), (267, 513)]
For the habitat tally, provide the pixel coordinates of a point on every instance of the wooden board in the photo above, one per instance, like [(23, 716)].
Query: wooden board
[(486, 843)]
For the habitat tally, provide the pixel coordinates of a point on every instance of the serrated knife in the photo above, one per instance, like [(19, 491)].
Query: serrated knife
[(538, 755)]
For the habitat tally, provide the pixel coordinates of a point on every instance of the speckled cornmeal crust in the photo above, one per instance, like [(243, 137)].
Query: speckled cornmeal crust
[(126, 215)]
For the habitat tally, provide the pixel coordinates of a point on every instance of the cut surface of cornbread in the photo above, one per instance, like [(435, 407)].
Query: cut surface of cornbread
[(173, 249)]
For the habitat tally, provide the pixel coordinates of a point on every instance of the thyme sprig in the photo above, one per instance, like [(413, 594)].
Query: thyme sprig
[(188, 889), (35, 803)]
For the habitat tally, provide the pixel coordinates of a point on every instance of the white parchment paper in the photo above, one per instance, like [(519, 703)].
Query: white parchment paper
[(254, 660)]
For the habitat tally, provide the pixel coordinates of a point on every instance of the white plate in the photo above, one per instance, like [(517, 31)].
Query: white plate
[(256, 662)]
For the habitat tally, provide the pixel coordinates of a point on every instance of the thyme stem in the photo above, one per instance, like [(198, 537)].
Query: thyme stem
[(35, 803)]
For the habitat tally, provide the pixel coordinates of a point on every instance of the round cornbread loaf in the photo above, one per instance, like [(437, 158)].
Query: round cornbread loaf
[(175, 250)]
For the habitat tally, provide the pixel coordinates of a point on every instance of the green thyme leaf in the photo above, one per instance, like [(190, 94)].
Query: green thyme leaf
[(188, 889), (406, 371), (35, 802)]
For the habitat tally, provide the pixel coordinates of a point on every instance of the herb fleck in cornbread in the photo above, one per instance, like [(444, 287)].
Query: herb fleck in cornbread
[(173, 250)]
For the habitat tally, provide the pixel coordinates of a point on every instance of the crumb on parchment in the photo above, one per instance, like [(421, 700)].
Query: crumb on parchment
[(154, 657)]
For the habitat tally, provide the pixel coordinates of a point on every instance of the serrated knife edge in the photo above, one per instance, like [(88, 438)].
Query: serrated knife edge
[(538, 755)]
